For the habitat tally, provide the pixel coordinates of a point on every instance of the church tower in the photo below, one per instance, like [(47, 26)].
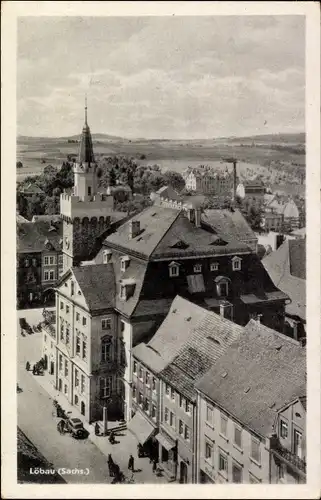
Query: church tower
[(86, 213)]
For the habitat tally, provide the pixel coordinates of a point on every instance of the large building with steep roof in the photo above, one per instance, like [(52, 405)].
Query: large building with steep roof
[(243, 411)]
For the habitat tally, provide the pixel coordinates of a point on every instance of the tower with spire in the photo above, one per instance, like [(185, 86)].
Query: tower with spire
[(86, 212)]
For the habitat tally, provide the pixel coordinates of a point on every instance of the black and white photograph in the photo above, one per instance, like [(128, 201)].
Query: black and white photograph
[(161, 258)]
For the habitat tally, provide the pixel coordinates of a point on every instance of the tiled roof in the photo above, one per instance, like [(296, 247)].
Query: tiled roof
[(31, 188), (171, 334), (32, 236), (286, 267), (211, 336), (230, 224), (258, 374), (97, 284), (154, 223)]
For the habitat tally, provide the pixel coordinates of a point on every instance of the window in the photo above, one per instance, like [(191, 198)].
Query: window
[(122, 326), (281, 471), (255, 450), (154, 384), (236, 473), (238, 436), (223, 425), (77, 345), (51, 260), (45, 338), (72, 288), (140, 399), (140, 373), (105, 387), (134, 391), (297, 443), (66, 368), (60, 259), (106, 256), (209, 415), (76, 400), (106, 349), (214, 266), (124, 263), (67, 335), (208, 451), (182, 401), (135, 367), (67, 309), (222, 462), (46, 261), (60, 362), (84, 321), (167, 390), (77, 316), (76, 378), (65, 389), (61, 305), (181, 427), (84, 349), (236, 264), (173, 270), (46, 276), (153, 415), (187, 433), (283, 429), (89, 190), (166, 415), (197, 268), (82, 388), (173, 394), (61, 332), (147, 405), (172, 419), (34, 262), (106, 324), (147, 378)]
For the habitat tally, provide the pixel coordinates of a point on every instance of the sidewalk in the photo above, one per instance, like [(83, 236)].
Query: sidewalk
[(120, 451)]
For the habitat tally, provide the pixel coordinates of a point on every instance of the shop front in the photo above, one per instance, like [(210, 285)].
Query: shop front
[(184, 463), (167, 454), (144, 431)]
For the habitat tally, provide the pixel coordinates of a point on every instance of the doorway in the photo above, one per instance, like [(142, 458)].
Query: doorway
[(82, 408), (60, 385), (52, 368), (183, 473)]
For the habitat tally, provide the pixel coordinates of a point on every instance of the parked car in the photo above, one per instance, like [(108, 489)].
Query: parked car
[(75, 427)]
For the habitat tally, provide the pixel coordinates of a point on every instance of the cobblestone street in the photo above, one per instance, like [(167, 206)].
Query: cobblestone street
[(36, 420)]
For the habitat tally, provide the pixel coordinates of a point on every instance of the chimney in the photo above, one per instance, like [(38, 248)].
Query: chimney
[(234, 180), (134, 228), (197, 217), (226, 309)]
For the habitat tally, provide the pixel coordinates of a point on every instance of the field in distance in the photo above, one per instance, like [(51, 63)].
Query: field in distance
[(265, 155)]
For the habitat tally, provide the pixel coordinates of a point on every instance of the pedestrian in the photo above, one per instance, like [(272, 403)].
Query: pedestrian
[(97, 429), (131, 463), (34, 369), (27, 366), (154, 465)]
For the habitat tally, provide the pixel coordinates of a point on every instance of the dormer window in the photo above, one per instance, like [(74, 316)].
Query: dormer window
[(124, 263), (197, 268), (127, 288), (236, 263), (222, 286), (214, 266), (173, 269), (107, 254)]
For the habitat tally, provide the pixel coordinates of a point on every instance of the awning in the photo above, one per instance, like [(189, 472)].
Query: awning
[(166, 442), (140, 427)]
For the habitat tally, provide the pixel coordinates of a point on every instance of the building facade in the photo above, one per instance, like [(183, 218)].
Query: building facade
[(39, 262), (206, 180)]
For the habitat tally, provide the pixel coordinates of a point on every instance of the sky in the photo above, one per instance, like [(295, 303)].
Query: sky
[(161, 77)]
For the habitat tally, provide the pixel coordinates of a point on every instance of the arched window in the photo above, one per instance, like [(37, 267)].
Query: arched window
[(222, 286)]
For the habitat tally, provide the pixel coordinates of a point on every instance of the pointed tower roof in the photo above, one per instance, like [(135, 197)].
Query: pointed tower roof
[(86, 152)]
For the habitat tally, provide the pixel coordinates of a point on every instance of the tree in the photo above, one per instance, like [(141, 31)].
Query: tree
[(112, 177), (19, 164), (174, 179)]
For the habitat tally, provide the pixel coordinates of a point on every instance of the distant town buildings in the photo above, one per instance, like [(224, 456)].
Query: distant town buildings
[(281, 215), (206, 180), (253, 190)]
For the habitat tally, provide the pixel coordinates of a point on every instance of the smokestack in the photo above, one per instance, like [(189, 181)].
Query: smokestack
[(134, 229), (234, 180)]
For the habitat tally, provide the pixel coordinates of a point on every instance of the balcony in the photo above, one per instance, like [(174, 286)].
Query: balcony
[(287, 456)]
